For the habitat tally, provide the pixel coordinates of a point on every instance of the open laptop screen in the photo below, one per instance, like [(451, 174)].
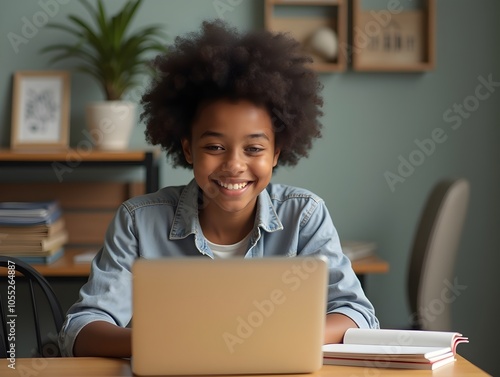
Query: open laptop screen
[(232, 316)]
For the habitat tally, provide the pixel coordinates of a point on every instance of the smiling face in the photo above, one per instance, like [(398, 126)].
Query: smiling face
[(233, 154)]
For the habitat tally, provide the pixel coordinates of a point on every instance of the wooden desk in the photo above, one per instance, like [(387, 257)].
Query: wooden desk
[(72, 367), (370, 265), (65, 267)]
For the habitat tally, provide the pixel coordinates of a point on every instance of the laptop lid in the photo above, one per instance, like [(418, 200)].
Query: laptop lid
[(228, 316)]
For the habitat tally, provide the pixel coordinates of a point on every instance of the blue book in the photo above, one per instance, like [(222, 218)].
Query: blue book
[(43, 259), (29, 213)]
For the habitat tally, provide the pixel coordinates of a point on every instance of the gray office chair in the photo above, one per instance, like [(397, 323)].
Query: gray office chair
[(11, 296), (432, 262)]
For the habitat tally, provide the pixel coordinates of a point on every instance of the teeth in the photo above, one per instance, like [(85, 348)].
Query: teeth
[(233, 186)]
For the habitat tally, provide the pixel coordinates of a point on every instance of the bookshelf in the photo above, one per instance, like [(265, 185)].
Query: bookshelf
[(65, 159), (88, 206)]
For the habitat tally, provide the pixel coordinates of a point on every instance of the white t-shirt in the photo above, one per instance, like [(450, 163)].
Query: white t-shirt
[(237, 249)]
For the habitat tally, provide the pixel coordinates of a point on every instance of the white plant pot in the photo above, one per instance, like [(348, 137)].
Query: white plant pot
[(110, 123)]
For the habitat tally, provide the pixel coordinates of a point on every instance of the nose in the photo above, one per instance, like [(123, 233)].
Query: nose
[(234, 164)]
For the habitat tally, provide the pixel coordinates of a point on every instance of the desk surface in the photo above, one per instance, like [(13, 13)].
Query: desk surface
[(89, 366), (65, 267)]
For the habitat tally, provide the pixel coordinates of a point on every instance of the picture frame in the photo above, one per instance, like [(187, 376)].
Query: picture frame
[(40, 110), (399, 42), (395, 39)]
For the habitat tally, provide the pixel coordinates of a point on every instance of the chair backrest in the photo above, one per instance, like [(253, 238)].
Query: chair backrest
[(432, 262), (10, 315)]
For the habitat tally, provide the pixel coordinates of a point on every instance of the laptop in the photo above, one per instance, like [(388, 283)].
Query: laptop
[(195, 316)]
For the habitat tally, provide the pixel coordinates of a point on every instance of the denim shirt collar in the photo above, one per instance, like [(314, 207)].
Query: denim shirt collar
[(186, 219)]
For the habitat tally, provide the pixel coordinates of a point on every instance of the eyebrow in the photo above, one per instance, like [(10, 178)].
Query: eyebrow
[(218, 134)]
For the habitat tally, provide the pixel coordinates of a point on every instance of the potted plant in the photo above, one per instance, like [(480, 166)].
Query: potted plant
[(114, 57)]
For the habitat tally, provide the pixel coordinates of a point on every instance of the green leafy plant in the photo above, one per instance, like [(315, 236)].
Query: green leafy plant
[(110, 54)]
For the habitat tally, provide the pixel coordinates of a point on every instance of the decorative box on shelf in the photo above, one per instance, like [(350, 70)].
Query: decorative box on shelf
[(319, 25)]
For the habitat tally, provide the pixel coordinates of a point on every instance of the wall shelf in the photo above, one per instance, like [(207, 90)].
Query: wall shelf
[(390, 39), (393, 39), (303, 18)]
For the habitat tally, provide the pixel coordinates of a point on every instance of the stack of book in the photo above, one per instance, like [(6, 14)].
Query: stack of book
[(32, 231), (387, 348)]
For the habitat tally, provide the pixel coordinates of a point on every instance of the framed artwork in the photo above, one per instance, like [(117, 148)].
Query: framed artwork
[(396, 39), (400, 41), (40, 110)]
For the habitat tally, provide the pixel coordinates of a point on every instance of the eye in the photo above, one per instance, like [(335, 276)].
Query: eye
[(213, 148), (254, 149)]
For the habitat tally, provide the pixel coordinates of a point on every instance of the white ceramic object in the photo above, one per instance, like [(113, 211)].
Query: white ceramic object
[(110, 123), (324, 43)]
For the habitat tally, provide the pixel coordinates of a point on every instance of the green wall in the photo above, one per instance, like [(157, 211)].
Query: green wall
[(371, 119)]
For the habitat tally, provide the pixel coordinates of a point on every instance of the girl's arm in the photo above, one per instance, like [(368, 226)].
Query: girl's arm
[(103, 339), (336, 326)]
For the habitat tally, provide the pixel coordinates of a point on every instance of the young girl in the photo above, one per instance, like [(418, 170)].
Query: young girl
[(232, 107)]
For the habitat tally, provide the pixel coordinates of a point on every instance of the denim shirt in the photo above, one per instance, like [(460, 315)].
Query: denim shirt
[(289, 222)]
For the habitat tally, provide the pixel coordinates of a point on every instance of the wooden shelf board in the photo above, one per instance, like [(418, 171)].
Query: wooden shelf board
[(72, 155), (417, 67)]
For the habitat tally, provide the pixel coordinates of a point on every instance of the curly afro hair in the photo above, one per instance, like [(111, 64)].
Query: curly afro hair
[(267, 69)]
